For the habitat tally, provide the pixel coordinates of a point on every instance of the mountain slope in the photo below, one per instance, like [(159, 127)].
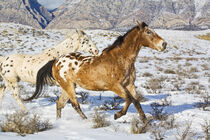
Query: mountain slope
[(115, 14), (27, 12)]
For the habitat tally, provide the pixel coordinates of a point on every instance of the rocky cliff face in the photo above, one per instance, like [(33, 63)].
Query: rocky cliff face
[(109, 14), (121, 14), (28, 12)]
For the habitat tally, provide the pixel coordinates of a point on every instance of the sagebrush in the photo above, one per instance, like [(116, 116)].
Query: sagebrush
[(24, 123), (99, 120)]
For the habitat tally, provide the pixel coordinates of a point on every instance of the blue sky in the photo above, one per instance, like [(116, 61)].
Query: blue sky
[(51, 4)]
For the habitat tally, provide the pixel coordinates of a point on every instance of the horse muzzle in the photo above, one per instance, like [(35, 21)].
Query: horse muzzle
[(161, 46)]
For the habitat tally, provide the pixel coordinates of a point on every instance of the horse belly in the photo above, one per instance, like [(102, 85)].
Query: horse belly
[(27, 76), (95, 85), (94, 80)]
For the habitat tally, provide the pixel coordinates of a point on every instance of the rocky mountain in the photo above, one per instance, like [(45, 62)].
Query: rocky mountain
[(27, 12), (121, 14), (109, 14)]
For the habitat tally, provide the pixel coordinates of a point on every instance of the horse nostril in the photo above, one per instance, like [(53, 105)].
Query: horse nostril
[(96, 51), (164, 45)]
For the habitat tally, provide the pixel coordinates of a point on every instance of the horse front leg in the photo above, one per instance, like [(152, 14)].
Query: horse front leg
[(131, 91), (3, 91), (124, 110), (120, 90), (60, 103), (16, 95), (129, 97)]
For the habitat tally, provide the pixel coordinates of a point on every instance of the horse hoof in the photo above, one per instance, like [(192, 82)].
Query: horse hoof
[(84, 117), (116, 116), (58, 116)]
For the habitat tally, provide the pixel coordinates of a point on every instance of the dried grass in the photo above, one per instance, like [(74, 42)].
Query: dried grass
[(204, 37)]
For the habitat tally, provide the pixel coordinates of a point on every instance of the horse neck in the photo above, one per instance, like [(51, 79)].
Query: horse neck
[(67, 46), (130, 47)]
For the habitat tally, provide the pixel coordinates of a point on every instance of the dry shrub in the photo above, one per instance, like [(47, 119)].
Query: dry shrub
[(193, 70), (99, 120), (205, 66), (144, 60), (158, 131), (177, 83), (186, 133), (205, 104), (1, 79), (157, 112), (154, 84), (113, 104), (24, 123), (140, 97), (165, 102), (84, 96), (147, 74), (195, 88), (138, 127), (206, 129), (159, 128), (109, 106), (169, 71), (169, 123), (182, 72)]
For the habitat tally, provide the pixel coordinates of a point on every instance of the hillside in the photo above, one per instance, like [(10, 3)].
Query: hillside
[(27, 12), (174, 83), (109, 14), (115, 14)]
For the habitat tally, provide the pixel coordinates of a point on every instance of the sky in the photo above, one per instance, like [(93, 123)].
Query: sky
[(51, 4)]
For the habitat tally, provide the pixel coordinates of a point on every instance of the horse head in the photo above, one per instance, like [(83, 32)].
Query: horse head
[(150, 38), (87, 45)]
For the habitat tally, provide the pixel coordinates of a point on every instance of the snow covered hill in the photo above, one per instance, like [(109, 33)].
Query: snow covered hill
[(177, 80)]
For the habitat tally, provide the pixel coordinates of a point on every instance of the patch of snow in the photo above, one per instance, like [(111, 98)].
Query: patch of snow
[(184, 52)]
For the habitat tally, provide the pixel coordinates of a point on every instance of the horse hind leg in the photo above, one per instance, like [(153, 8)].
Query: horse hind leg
[(60, 103), (70, 90)]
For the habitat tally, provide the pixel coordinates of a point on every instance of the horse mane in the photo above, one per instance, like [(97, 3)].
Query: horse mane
[(119, 40)]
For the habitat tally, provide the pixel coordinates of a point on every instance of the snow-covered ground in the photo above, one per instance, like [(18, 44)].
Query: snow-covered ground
[(179, 77)]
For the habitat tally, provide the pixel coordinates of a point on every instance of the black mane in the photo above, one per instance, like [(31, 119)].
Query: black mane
[(119, 40)]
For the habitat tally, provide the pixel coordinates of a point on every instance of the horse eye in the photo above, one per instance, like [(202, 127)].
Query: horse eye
[(149, 32)]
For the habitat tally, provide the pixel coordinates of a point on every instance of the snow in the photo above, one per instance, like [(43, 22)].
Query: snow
[(51, 4), (198, 6), (184, 52)]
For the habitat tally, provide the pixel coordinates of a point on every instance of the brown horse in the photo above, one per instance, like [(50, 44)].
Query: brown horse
[(112, 70)]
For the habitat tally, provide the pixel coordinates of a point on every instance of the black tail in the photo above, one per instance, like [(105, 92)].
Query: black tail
[(44, 76)]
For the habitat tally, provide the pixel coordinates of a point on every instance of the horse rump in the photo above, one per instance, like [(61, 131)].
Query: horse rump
[(44, 76)]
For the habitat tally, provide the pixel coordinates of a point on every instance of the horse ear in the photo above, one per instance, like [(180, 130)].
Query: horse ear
[(141, 24), (144, 24), (80, 32)]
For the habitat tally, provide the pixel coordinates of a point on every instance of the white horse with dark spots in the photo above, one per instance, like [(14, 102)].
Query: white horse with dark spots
[(24, 67)]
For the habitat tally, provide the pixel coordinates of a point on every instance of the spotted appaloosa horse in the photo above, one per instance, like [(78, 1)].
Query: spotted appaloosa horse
[(24, 67), (112, 70)]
